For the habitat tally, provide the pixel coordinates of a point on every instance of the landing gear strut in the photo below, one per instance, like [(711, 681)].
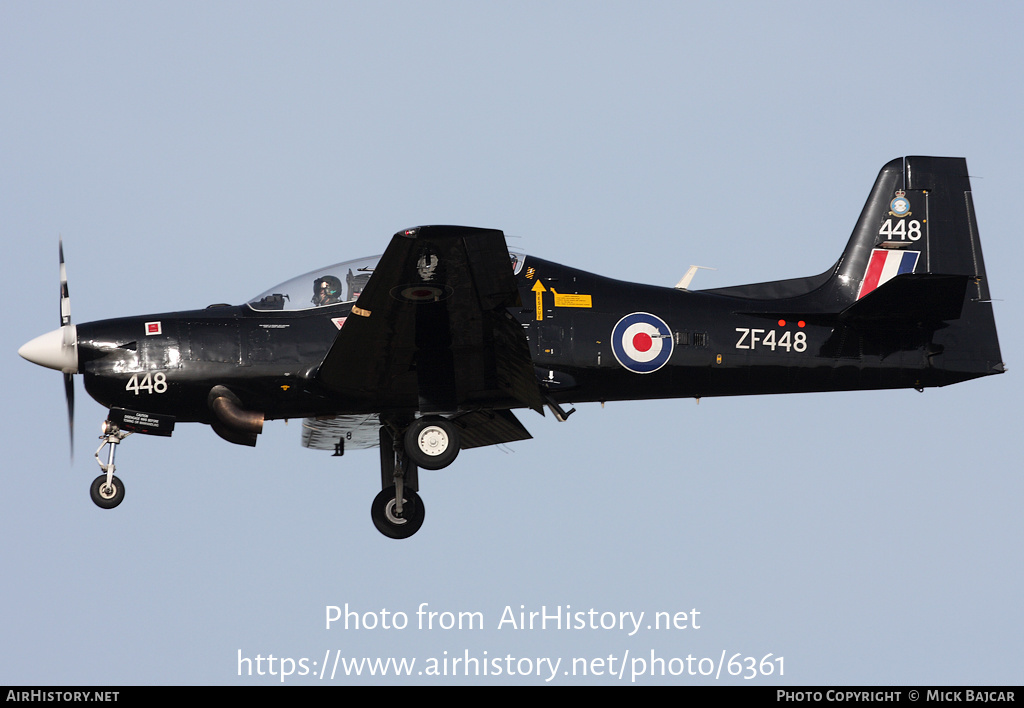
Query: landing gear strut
[(107, 491), (397, 511)]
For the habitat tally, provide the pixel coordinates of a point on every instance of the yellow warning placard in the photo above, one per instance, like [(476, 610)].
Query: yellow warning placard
[(571, 300)]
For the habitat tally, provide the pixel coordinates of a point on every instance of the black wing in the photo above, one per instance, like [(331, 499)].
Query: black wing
[(431, 331)]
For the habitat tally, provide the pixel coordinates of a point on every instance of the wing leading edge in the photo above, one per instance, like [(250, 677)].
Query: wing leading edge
[(431, 331)]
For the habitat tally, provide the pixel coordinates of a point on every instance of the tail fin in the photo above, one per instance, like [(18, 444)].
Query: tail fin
[(919, 223), (911, 278), (919, 218)]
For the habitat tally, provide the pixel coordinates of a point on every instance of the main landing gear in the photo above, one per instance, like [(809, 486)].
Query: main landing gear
[(431, 442)]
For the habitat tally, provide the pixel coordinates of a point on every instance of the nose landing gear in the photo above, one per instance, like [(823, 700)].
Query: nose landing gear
[(107, 491)]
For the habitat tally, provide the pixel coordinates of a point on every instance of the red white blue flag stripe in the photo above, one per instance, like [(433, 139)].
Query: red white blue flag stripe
[(885, 265)]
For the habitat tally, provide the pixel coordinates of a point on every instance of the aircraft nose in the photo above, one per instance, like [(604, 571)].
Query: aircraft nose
[(49, 350)]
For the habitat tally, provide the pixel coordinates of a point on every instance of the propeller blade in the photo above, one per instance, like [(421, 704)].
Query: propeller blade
[(68, 340), (69, 394), (65, 297)]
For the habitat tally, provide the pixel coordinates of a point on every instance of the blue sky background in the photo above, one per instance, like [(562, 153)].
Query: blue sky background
[(192, 153)]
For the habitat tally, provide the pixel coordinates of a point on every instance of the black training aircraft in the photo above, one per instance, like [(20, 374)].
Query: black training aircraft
[(426, 350)]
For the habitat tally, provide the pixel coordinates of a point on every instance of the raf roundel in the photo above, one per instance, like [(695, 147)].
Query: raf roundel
[(641, 342)]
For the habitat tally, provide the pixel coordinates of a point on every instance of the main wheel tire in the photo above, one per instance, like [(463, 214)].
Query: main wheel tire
[(106, 497), (432, 442), (388, 522)]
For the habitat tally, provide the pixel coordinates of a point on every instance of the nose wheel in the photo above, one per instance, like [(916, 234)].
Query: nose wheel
[(106, 494)]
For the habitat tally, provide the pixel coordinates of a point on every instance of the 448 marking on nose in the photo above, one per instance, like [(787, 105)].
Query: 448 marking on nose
[(149, 383)]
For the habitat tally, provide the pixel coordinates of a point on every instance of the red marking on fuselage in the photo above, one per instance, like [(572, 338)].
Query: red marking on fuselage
[(642, 342)]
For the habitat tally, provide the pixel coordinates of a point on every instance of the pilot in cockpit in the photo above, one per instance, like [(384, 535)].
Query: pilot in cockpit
[(326, 290)]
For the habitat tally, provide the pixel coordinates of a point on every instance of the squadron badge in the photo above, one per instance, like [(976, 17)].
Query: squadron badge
[(900, 205)]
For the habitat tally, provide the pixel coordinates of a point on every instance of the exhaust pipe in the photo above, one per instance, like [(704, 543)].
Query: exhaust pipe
[(229, 411)]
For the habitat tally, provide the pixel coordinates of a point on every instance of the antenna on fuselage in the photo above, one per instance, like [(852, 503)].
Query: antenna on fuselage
[(684, 282)]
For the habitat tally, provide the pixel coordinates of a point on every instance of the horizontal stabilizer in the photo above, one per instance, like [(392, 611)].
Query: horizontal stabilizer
[(925, 297)]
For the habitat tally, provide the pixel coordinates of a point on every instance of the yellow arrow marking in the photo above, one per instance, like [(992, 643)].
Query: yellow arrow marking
[(571, 300), (539, 288)]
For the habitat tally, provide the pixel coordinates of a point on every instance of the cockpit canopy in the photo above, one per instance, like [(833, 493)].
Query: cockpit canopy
[(341, 282), (332, 285)]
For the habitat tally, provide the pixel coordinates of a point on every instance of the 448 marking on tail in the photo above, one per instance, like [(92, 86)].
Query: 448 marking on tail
[(903, 229)]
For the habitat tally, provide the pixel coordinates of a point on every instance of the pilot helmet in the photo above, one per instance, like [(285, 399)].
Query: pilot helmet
[(326, 290)]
